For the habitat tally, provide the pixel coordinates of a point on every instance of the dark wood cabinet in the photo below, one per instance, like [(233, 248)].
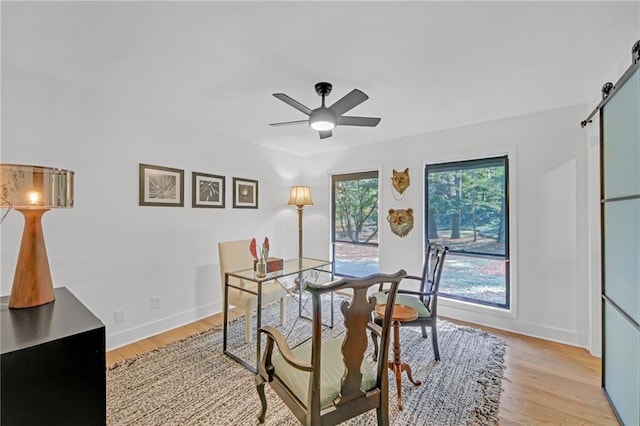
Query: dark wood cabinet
[(52, 364)]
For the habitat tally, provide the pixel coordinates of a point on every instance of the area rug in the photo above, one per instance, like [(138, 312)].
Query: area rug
[(191, 382)]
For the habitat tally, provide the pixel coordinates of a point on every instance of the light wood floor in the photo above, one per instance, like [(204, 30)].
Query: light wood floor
[(544, 383)]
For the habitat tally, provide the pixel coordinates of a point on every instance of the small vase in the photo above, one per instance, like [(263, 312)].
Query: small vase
[(261, 270)]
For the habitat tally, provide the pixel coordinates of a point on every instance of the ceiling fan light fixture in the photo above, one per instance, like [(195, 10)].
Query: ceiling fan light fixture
[(322, 125), (322, 119)]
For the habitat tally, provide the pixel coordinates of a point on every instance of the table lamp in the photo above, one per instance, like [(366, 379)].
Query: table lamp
[(33, 191), (300, 197)]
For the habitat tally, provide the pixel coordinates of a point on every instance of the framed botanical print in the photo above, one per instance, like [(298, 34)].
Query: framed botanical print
[(207, 190), (161, 186), (245, 193)]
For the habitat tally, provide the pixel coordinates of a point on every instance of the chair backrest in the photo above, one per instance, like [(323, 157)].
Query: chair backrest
[(234, 256), (431, 272), (357, 314)]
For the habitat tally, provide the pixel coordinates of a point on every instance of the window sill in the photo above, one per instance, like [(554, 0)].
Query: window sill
[(468, 311)]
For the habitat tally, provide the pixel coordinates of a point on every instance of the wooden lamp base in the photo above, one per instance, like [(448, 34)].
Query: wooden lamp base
[(32, 285)]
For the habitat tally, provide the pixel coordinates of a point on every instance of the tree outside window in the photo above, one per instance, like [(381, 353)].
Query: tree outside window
[(467, 211), (355, 223)]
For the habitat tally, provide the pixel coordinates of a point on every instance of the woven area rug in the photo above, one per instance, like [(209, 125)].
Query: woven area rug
[(191, 382)]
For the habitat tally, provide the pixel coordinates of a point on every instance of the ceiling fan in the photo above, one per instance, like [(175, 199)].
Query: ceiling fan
[(324, 119)]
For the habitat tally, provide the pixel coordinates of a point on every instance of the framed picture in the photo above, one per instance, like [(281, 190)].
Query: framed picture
[(207, 190), (245, 193), (161, 186)]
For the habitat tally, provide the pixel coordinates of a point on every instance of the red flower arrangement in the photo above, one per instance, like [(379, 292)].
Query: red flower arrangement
[(264, 250)]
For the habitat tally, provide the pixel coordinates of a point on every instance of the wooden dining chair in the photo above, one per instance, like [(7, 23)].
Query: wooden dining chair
[(328, 382), (424, 300), (235, 256)]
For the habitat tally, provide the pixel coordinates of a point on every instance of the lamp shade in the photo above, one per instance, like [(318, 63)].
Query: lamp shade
[(300, 196), (33, 191), (35, 187)]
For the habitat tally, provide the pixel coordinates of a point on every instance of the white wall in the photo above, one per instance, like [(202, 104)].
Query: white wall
[(111, 253), (549, 253), (114, 254)]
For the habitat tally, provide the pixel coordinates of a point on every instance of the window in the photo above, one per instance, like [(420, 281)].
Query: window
[(354, 217), (467, 210)]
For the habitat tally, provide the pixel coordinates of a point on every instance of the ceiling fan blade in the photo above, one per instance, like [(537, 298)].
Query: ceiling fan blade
[(287, 123), (290, 101), (348, 101), (325, 134), (358, 121)]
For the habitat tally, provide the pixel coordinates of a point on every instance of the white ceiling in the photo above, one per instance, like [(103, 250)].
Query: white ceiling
[(426, 66)]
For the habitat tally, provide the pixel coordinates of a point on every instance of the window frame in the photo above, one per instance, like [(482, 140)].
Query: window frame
[(474, 163), (340, 177)]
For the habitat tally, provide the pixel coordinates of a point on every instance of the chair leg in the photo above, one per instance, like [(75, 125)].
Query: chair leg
[(283, 310), (424, 331), (263, 400), (382, 413), (374, 339), (434, 341)]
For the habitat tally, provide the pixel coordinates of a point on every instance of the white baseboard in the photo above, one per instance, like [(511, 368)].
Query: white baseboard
[(506, 323), (153, 328)]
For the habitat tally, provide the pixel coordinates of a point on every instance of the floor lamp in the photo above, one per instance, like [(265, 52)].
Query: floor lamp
[(33, 191), (300, 197)]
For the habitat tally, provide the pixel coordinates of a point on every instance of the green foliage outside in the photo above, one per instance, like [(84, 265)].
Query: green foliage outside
[(467, 212), (467, 209), (356, 210)]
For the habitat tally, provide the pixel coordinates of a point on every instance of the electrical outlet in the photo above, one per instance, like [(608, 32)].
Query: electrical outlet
[(155, 302), (121, 316)]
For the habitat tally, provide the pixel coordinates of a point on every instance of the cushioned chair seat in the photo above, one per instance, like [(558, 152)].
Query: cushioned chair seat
[(332, 370), (429, 284), (404, 299)]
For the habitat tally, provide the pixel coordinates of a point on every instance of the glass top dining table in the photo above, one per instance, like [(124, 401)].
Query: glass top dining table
[(295, 266), (290, 267)]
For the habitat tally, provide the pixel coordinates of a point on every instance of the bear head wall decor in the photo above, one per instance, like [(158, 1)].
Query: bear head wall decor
[(401, 221)]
